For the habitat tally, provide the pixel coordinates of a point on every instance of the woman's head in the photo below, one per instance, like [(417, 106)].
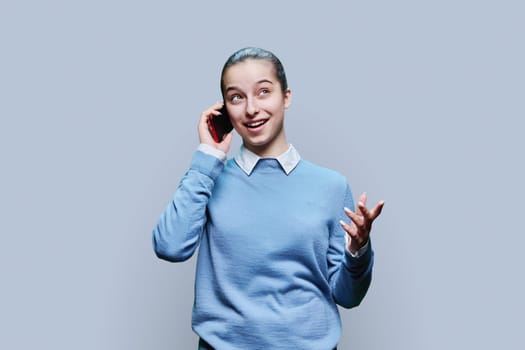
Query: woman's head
[(256, 95), (255, 53)]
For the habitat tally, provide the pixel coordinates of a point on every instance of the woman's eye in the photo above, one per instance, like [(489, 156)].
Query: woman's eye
[(264, 91), (235, 98)]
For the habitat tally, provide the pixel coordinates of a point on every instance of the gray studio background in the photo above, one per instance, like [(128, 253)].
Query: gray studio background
[(419, 103)]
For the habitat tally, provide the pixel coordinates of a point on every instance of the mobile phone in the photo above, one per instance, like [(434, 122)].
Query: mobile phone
[(220, 125)]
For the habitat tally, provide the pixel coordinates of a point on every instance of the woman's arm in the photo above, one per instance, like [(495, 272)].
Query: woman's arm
[(180, 227), (350, 276)]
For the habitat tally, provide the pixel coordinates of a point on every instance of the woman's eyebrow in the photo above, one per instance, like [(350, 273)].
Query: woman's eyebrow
[(229, 88), (233, 87), (264, 81)]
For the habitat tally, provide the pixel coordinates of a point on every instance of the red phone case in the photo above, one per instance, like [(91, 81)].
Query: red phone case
[(220, 125)]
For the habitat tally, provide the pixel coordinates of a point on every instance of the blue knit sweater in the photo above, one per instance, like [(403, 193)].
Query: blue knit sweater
[(272, 264)]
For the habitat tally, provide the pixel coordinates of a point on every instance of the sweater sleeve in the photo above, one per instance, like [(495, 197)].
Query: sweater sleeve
[(349, 277), (179, 229)]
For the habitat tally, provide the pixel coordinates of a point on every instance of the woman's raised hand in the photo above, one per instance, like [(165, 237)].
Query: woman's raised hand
[(204, 129), (358, 231)]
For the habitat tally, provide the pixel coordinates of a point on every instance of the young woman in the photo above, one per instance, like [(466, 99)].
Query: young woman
[(280, 242)]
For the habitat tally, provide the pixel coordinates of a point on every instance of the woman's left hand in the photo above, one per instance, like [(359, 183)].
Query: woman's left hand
[(358, 231)]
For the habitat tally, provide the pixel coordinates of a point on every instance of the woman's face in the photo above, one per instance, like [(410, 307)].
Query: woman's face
[(256, 104)]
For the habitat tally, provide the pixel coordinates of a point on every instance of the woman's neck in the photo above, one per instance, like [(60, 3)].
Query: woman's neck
[(269, 151)]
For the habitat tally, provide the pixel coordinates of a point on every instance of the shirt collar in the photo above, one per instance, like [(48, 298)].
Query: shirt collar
[(247, 160)]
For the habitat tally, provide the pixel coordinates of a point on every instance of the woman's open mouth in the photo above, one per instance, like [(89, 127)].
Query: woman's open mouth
[(255, 124)]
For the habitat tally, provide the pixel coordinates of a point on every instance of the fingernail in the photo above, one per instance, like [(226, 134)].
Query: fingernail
[(342, 222), (346, 209), (361, 204)]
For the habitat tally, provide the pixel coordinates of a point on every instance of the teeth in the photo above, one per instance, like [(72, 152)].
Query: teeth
[(253, 125)]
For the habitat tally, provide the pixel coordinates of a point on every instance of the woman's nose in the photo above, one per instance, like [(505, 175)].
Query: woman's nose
[(252, 108)]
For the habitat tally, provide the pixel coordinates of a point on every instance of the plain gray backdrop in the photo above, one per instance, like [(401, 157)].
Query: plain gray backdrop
[(419, 103)]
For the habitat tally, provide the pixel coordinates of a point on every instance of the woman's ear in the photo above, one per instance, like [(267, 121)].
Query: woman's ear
[(287, 98)]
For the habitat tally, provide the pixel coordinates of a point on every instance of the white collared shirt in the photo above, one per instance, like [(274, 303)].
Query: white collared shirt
[(247, 160)]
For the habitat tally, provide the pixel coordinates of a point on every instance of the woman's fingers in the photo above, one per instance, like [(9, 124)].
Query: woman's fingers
[(204, 126), (362, 219), (351, 229), (354, 241), (226, 142), (374, 213), (358, 220), (362, 198)]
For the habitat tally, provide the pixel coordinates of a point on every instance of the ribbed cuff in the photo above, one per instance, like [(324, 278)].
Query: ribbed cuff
[(212, 151), (360, 252), (355, 263)]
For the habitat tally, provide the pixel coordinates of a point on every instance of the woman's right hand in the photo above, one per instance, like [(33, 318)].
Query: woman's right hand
[(204, 129)]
